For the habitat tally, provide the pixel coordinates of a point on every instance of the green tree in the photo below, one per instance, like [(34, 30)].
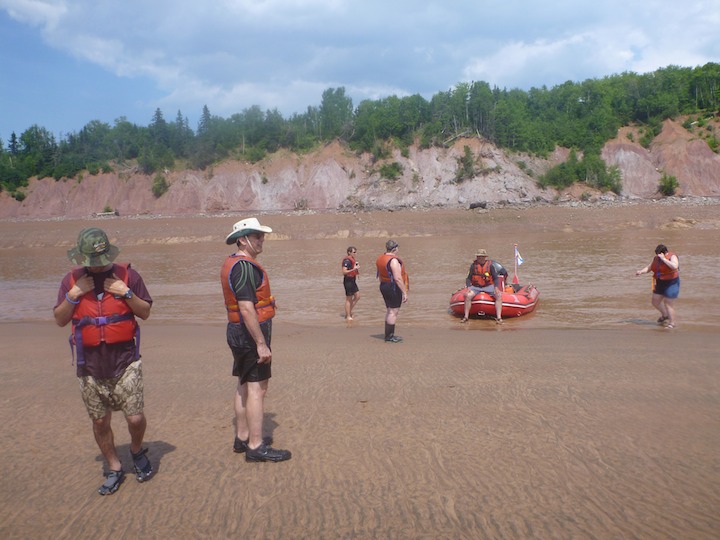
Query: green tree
[(414, 112), (13, 145), (38, 151), (180, 136), (368, 125), (273, 129), (336, 110), (480, 105), (205, 121), (511, 121), (159, 130), (126, 139)]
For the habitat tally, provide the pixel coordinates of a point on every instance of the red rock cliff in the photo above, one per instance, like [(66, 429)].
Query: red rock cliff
[(333, 177)]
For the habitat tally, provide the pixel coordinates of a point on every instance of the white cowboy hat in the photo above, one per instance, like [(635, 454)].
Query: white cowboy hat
[(245, 227)]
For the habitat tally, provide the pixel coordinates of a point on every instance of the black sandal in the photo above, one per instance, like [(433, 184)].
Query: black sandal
[(113, 479), (143, 467)]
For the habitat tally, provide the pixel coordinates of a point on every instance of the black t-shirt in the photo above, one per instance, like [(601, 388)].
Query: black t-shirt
[(245, 278)]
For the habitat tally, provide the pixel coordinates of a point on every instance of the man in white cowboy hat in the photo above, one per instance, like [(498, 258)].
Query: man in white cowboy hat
[(250, 310), (102, 299), (483, 276)]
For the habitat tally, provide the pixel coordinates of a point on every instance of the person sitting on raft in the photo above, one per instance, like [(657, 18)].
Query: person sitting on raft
[(483, 276)]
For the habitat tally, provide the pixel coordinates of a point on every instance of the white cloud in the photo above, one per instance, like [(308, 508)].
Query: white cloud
[(36, 12), (539, 60), (231, 54)]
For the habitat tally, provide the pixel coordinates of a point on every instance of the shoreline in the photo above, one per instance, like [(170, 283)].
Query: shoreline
[(563, 202)]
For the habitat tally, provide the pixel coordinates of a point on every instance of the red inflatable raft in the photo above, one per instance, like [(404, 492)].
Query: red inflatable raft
[(517, 300)]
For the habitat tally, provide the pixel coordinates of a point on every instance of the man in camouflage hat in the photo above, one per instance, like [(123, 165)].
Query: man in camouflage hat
[(102, 300)]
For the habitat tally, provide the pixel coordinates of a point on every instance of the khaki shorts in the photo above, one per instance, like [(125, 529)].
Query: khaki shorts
[(124, 393)]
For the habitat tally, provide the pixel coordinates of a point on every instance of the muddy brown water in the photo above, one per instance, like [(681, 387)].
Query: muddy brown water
[(581, 259)]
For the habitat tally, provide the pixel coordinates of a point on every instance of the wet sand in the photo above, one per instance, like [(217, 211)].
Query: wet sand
[(511, 432), (544, 434)]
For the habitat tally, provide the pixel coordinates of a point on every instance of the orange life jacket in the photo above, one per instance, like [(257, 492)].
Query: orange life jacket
[(108, 320), (383, 269), (481, 276), (662, 271), (265, 305), (354, 272)]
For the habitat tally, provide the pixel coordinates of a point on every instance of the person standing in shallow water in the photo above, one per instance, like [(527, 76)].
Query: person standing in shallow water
[(665, 268), (350, 270), (250, 310), (102, 299), (394, 287)]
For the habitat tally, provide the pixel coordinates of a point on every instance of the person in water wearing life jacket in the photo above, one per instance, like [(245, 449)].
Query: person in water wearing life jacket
[(394, 287), (102, 300), (665, 268), (483, 276), (250, 310), (350, 271)]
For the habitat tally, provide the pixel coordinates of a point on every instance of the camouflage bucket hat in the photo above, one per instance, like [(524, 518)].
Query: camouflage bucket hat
[(93, 249)]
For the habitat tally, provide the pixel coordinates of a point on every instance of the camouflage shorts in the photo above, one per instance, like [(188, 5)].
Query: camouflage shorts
[(124, 393)]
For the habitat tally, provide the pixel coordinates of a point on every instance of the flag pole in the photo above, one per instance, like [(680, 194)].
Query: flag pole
[(515, 258)]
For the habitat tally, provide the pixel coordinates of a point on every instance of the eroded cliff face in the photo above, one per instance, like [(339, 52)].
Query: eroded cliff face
[(675, 152), (332, 177)]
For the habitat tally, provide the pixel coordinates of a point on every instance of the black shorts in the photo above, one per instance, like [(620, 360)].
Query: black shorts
[(391, 294), (350, 285), (245, 355)]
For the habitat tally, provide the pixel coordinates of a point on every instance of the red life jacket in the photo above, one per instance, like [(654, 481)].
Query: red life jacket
[(108, 320), (383, 269), (481, 276), (265, 306), (662, 271), (354, 272)]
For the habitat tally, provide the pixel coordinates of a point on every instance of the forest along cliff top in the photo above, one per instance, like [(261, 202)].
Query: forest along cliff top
[(332, 177)]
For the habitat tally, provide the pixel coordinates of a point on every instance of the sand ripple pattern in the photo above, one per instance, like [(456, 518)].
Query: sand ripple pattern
[(452, 434)]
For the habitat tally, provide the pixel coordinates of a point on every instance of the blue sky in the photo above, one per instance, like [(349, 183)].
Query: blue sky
[(66, 62)]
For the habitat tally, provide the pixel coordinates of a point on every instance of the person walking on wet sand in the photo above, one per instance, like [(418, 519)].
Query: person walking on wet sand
[(250, 310), (665, 268), (394, 287), (102, 299), (350, 270), (483, 276)]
